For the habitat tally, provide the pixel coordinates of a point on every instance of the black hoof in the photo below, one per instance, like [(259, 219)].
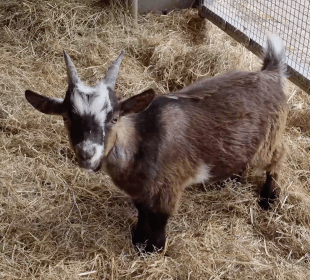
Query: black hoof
[(156, 242), (150, 230), (145, 243), (152, 249), (265, 203), (269, 192)]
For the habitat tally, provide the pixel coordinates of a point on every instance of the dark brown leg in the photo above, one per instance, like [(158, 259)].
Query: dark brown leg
[(157, 237), (150, 229), (268, 193), (140, 234)]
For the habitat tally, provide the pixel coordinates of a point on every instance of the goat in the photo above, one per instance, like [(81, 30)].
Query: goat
[(153, 147)]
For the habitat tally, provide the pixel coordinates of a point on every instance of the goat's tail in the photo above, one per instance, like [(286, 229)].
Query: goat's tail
[(274, 57)]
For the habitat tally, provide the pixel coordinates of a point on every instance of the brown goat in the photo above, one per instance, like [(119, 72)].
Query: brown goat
[(154, 147)]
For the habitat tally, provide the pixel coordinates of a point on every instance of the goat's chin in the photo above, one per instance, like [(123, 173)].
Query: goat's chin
[(90, 168)]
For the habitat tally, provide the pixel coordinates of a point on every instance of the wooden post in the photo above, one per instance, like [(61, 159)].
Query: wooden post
[(134, 12)]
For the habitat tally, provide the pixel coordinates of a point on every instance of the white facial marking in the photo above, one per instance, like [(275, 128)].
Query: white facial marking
[(98, 154), (85, 89), (99, 105), (89, 145), (79, 103), (101, 116), (93, 101)]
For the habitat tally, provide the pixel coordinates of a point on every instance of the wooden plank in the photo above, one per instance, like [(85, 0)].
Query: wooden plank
[(134, 12)]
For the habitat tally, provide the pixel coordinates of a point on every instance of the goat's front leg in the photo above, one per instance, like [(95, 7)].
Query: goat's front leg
[(140, 233), (150, 229), (157, 236)]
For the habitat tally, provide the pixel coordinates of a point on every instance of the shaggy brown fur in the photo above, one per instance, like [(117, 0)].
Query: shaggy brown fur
[(237, 123), (205, 132)]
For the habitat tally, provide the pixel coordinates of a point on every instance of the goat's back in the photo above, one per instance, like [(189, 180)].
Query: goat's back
[(222, 122)]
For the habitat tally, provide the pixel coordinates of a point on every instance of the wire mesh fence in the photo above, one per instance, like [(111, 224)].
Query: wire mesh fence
[(248, 21)]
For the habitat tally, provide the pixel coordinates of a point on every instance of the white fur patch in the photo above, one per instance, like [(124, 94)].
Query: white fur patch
[(94, 160), (171, 97), (101, 117), (102, 98), (277, 44), (85, 89), (59, 100), (79, 104), (202, 175), (99, 105), (98, 154)]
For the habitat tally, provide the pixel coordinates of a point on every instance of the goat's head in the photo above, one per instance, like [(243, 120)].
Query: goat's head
[(89, 112)]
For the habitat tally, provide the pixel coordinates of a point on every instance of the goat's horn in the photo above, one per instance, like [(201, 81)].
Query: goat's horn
[(110, 77), (73, 77)]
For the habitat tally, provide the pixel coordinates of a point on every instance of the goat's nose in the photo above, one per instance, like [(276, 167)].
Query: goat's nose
[(87, 154)]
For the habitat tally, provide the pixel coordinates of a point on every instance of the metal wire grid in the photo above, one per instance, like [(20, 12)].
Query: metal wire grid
[(289, 19)]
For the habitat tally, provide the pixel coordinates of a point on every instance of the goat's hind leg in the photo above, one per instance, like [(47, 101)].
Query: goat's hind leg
[(270, 190), (268, 193)]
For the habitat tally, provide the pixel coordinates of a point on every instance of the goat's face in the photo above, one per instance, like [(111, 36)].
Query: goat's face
[(86, 115), (90, 113), (85, 111)]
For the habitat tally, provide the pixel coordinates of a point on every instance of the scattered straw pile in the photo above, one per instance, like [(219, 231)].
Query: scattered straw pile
[(57, 222)]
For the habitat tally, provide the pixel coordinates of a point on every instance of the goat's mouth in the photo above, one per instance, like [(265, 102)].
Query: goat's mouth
[(89, 157)]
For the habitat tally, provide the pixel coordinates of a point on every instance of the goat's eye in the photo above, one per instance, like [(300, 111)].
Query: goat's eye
[(114, 120)]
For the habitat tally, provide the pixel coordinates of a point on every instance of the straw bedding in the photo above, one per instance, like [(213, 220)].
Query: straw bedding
[(57, 222)]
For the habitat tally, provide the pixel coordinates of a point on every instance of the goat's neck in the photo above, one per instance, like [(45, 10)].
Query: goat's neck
[(122, 143)]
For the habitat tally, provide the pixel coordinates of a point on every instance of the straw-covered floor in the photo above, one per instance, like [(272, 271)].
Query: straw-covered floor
[(58, 222)]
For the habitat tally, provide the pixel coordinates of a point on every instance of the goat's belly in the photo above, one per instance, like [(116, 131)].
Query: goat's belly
[(203, 174)]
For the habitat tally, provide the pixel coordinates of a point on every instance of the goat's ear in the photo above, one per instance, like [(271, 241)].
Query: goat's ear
[(137, 103), (46, 105)]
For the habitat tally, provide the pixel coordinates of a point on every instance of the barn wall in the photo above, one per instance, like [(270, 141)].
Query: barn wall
[(145, 6)]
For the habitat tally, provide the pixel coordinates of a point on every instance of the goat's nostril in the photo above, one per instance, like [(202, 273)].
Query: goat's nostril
[(87, 154)]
